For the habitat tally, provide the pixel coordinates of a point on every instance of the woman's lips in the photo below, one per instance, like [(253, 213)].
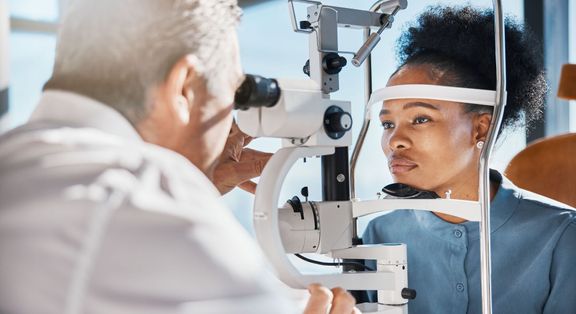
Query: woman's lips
[(401, 165)]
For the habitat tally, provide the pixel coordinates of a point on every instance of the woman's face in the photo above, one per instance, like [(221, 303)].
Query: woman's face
[(430, 144)]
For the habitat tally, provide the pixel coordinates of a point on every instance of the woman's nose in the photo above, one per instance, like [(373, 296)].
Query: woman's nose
[(395, 140)]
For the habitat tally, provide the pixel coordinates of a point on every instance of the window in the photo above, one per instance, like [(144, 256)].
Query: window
[(31, 62), (38, 10), (32, 43)]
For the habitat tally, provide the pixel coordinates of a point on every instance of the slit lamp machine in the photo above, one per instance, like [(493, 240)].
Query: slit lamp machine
[(268, 108)]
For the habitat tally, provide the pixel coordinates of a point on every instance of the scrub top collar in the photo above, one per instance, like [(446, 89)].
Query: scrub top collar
[(502, 208), (75, 110)]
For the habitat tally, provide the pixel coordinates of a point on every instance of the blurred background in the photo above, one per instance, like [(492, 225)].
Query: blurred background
[(270, 48)]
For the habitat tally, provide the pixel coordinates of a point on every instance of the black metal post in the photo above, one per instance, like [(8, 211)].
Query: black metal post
[(336, 187), (335, 176), (534, 20)]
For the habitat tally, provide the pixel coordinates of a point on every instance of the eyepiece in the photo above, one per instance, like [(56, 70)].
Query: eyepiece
[(256, 91)]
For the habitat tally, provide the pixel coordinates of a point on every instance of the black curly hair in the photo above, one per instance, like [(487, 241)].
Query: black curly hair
[(460, 42)]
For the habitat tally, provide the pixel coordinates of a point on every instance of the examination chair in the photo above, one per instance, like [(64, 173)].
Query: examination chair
[(548, 166)]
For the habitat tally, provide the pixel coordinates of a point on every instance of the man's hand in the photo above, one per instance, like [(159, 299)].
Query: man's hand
[(338, 300), (237, 164)]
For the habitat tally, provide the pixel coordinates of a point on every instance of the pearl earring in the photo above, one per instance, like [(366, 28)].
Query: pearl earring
[(480, 144)]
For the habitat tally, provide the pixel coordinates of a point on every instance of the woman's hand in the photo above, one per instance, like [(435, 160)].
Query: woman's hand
[(338, 300), (237, 164)]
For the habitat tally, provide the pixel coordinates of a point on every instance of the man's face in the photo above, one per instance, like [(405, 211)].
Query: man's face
[(192, 112), (217, 107)]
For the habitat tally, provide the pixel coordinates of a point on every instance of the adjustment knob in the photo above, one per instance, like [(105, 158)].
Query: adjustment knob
[(332, 63), (304, 192), (296, 206), (305, 25), (306, 67), (408, 294), (338, 122)]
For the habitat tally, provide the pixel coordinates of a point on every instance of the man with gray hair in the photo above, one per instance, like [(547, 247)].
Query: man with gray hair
[(110, 193)]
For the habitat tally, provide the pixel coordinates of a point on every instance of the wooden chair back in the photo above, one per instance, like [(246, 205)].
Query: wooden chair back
[(547, 167)]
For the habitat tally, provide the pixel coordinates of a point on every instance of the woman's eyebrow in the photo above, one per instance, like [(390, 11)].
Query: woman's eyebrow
[(420, 104), (411, 105), (384, 111)]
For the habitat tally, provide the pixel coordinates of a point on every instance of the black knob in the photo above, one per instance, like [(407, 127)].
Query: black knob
[(332, 63), (408, 294), (306, 68), (305, 25), (296, 206), (304, 191), (338, 122)]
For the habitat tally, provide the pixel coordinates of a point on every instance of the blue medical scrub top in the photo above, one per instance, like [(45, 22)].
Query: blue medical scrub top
[(533, 255)]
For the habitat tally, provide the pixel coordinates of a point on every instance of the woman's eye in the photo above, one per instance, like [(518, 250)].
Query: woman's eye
[(420, 120), (387, 125)]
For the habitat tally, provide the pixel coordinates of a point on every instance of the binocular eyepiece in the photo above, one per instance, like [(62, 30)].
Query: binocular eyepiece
[(256, 91)]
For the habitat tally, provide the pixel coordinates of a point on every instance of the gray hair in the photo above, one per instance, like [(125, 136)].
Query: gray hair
[(115, 50)]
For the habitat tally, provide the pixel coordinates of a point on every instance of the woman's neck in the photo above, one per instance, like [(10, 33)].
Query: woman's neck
[(471, 195)]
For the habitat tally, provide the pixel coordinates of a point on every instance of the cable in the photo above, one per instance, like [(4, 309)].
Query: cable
[(334, 264)]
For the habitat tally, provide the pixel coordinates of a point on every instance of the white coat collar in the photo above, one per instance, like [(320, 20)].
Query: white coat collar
[(76, 110)]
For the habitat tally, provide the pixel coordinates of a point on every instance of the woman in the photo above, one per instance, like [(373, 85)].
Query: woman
[(435, 145)]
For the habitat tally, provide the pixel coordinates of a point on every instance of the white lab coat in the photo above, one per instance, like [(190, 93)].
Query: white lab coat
[(95, 220)]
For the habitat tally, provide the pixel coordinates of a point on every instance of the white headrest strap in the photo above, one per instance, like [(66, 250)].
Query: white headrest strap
[(436, 92)]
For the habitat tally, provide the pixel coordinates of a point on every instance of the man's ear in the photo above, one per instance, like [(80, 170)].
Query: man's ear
[(481, 126), (180, 85)]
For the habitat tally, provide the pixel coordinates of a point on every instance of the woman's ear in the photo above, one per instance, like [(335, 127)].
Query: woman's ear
[(481, 126)]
